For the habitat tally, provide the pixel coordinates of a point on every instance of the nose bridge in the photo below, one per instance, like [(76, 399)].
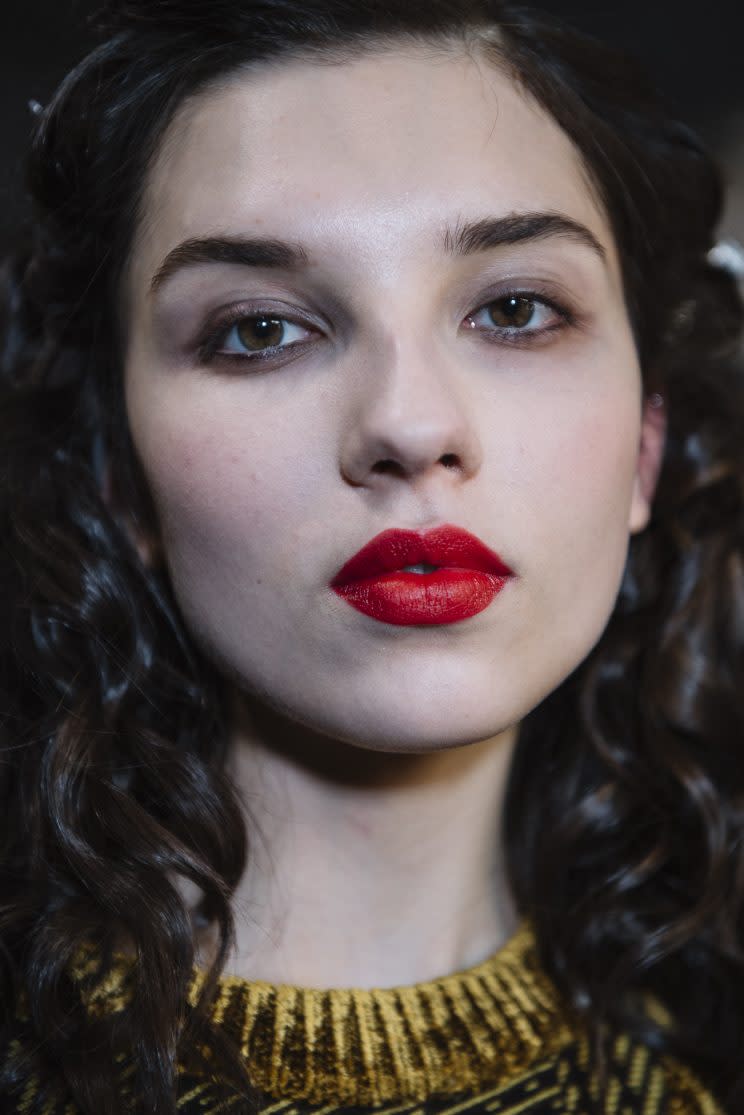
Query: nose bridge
[(411, 380), (410, 412)]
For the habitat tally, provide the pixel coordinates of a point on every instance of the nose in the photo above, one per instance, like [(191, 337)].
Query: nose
[(409, 418)]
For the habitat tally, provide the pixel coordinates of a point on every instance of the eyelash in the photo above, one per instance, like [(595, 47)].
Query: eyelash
[(524, 336), (208, 347)]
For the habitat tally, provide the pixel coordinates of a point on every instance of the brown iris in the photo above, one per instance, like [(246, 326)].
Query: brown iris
[(511, 312), (260, 332)]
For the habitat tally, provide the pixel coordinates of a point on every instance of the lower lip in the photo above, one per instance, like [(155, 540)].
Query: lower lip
[(444, 596)]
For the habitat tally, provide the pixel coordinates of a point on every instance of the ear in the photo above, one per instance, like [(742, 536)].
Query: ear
[(650, 454)]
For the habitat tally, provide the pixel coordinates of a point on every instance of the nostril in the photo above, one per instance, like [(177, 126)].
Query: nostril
[(449, 460), (387, 466)]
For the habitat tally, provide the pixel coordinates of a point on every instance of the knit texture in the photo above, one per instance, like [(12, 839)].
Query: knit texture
[(495, 1038)]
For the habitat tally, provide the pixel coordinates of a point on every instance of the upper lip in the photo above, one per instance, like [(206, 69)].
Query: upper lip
[(444, 545)]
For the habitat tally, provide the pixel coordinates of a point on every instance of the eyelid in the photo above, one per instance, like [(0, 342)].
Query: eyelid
[(552, 294), (220, 324), (560, 305)]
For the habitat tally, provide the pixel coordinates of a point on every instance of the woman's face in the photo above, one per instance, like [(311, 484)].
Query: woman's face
[(363, 368)]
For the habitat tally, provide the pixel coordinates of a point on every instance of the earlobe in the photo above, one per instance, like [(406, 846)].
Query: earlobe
[(650, 456)]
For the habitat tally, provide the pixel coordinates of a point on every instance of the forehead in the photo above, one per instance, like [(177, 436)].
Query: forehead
[(377, 153)]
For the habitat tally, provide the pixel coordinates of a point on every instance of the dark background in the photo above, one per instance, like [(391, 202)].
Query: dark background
[(696, 54)]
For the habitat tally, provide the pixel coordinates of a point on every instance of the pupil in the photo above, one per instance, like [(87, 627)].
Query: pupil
[(510, 312), (260, 332)]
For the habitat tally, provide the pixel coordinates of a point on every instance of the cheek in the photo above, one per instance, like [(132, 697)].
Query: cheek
[(580, 492), (604, 468), (233, 502), (590, 464)]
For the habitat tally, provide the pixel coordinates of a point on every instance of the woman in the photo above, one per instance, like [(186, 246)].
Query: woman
[(372, 487)]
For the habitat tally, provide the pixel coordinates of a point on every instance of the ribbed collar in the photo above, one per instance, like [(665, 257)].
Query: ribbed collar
[(477, 1028)]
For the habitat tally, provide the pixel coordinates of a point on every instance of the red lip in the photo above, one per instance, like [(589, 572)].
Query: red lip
[(468, 578)]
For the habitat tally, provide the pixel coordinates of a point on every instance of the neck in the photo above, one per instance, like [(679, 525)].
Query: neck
[(366, 868)]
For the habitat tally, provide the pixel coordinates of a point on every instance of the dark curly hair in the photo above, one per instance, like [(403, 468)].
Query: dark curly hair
[(624, 823)]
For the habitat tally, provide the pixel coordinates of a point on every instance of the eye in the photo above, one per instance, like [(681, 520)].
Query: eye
[(260, 333), (518, 315)]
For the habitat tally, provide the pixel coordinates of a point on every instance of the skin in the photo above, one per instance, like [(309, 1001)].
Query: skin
[(395, 412)]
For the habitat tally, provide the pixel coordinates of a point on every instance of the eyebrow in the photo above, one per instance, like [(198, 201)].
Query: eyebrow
[(245, 251), (496, 232), (465, 239)]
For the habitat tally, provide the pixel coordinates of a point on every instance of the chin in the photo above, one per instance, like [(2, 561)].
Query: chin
[(402, 722)]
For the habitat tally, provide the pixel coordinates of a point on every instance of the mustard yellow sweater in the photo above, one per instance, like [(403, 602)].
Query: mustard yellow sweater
[(494, 1038)]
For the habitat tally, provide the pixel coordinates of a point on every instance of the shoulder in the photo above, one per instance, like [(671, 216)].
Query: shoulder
[(559, 1084), (639, 1080), (28, 1082), (686, 1094)]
